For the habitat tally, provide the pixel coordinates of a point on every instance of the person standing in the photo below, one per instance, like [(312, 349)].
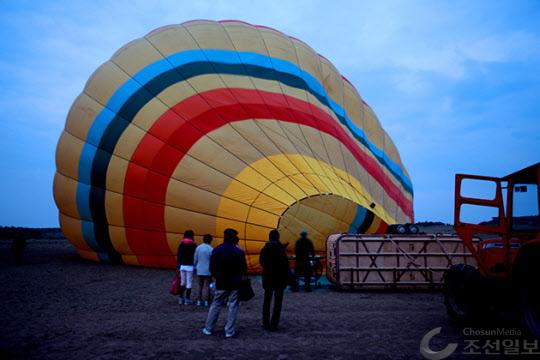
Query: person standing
[(305, 253), (228, 266), (275, 278), (201, 262), (184, 261)]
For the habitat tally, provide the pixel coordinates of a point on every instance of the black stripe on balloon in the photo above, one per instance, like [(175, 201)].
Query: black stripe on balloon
[(141, 97), (368, 220)]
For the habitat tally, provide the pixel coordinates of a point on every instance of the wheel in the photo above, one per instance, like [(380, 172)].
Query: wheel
[(401, 229), (530, 310), (412, 229), (525, 275), (459, 290)]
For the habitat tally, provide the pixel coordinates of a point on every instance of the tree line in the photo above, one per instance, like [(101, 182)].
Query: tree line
[(15, 232)]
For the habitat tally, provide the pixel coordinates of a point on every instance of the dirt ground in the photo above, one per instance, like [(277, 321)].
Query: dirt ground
[(58, 306)]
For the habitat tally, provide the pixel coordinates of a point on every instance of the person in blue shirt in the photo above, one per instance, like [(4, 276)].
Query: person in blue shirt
[(201, 263)]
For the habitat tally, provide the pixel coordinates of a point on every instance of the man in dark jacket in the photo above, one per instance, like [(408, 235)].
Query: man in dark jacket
[(275, 277), (304, 256), (228, 266)]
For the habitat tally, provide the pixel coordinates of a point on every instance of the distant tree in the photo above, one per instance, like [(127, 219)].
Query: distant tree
[(12, 232)]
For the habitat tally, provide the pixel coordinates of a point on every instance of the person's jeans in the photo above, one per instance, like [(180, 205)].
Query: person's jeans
[(278, 300), (204, 286), (306, 271), (221, 298)]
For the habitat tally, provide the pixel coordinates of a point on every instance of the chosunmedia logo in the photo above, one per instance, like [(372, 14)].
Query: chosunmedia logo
[(494, 341), (491, 332), (426, 351)]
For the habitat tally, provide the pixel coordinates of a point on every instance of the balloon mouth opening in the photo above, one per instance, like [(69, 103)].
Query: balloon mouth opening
[(322, 215)]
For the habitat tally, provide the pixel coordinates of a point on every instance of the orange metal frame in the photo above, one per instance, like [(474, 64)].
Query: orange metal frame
[(504, 228), (467, 231)]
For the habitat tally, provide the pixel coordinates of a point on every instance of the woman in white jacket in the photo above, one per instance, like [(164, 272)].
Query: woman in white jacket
[(201, 262)]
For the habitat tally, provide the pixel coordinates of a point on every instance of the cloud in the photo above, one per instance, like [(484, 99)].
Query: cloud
[(424, 39), (514, 46)]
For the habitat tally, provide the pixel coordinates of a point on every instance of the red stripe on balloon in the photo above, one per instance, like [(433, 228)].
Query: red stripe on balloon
[(382, 228), (153, 162)]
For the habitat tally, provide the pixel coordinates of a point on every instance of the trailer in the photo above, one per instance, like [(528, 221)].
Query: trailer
[(379, 261)]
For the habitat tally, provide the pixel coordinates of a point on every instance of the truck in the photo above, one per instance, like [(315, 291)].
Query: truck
[(506, 276)]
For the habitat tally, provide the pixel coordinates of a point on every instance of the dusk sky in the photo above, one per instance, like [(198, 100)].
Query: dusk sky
[(456, 84)]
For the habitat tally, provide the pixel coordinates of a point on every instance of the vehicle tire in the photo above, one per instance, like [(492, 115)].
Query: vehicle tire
[(401, 229), (525, 276), (412, 229), (460, 292)]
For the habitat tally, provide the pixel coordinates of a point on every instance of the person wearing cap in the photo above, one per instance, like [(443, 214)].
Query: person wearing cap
[(275, 278), (228, 266), (305, 253)]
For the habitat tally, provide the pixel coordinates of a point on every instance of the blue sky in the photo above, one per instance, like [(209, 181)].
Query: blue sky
[(455, 83)]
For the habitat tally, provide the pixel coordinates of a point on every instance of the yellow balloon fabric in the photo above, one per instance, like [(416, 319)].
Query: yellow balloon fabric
[(211, 125)]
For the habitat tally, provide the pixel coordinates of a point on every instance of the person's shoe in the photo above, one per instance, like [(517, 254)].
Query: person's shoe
[(206, 332), (228, 336), (181, 301), (266, 327)]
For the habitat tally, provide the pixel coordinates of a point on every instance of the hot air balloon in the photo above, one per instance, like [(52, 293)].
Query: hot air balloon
[(211, 125)]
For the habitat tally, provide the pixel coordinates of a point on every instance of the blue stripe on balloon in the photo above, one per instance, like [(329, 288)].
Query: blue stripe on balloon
[(88, 230), (149, 72), (85, 163), (83, 195), (358, 219), (104, 257), (99, 126), (128, 89)]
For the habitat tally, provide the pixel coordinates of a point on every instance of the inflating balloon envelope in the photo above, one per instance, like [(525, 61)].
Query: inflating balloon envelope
[(208, 125)]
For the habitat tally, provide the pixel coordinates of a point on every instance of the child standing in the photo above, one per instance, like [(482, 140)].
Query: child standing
[(184, 261)]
